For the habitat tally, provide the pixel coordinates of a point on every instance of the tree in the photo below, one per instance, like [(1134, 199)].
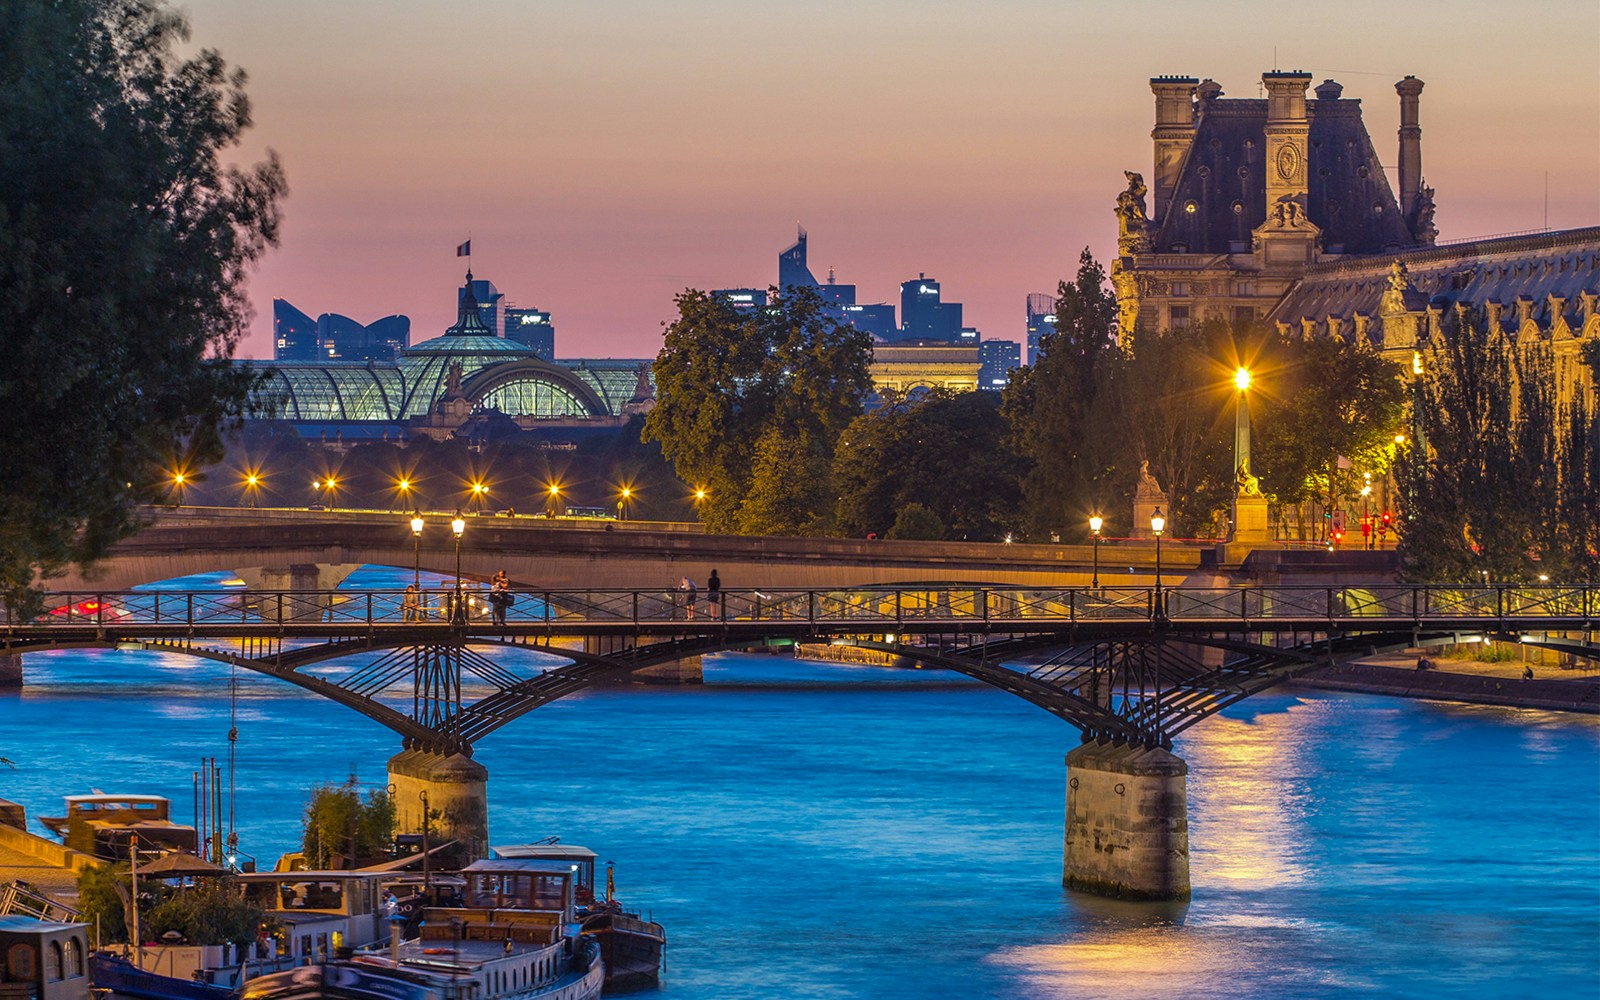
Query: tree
[(948, 452), (124, 244), (1326, 399), (1055, 406), (918, 523), (725, 378), (340, 827), (211, 912), (788, 493), (1499, 475)]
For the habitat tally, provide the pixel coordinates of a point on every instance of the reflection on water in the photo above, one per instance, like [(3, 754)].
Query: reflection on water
[(804, 834)]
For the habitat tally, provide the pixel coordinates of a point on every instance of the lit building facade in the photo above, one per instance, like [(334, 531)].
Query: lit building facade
[(908, 366), (997, 359), (332, 337), (1041, 321)]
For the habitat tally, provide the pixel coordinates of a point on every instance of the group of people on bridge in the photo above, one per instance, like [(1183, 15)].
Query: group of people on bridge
[(457, 604)]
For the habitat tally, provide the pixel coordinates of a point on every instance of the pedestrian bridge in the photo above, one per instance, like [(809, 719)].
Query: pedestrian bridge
[(1129, 667)]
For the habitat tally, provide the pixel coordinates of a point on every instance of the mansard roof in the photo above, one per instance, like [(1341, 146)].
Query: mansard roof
[(1535, 269), (1224, 177)]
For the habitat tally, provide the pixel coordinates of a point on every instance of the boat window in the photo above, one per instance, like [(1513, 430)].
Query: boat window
[(52, 962), (74, 958)]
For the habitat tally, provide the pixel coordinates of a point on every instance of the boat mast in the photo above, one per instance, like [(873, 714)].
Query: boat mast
[(133, 874)]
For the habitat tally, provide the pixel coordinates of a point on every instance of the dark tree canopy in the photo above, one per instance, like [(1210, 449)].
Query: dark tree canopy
[(945, 453), (124, 244), (726, 379)]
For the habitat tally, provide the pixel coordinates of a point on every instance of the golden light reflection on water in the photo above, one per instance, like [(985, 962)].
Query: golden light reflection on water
[(1248, 798)]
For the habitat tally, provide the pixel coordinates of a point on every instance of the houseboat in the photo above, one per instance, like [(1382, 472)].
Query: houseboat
[(631, 945), (516, 937), (105, 826)]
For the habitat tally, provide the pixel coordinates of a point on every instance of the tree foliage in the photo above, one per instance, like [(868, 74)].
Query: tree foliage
[(916, 522), (1055, 406), (1500, 473), (124, 244), (341, 827), (725, 378), (210, 912), (946, 452)]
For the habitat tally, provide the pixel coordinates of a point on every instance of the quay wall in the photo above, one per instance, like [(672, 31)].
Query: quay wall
[(1441, 685)]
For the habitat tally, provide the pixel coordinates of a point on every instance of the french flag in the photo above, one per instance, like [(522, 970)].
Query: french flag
[(464, 250)]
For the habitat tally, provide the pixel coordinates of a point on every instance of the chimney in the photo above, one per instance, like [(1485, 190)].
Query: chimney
[(1174, 131), (1288, 133), (1409, 89)]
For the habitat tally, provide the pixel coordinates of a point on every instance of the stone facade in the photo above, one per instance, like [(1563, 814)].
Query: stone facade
[(914, 364), (1250, 193)]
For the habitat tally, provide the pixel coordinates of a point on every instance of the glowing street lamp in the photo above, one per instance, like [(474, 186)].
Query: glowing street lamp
[(480, 490), (1368, 535), (458, 526), (552, 502), (1158, 525), (622, 503), (179, 480), (416, 543), (252, 485), (327, 488), (403, 487), (1095, 522)]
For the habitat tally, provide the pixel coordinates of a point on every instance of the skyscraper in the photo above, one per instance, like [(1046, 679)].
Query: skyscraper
[(924, 316), (534, 328), (491, 303), (997, 359), (1041, 320), (333, 337)]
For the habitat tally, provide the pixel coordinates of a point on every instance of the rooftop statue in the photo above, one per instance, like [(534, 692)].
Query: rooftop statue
[(1133, 225), (1423, 228)]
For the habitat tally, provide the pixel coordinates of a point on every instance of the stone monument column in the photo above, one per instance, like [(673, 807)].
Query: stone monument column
[(1249, 505)]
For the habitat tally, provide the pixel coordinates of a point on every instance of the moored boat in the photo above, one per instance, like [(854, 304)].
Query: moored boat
[(515, 938), (631, 945)]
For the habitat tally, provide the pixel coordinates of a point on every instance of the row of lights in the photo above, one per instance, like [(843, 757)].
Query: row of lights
[(478, 490)]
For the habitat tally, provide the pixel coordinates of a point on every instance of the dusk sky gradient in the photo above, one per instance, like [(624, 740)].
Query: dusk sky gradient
[(603, 156)]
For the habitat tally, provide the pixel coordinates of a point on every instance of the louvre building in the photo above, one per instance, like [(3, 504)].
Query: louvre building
[(1278, 209)]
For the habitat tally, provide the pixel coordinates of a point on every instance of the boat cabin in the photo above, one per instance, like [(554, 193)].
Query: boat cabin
[(43, 959), (107, 826), (319, 912), (580, 859)]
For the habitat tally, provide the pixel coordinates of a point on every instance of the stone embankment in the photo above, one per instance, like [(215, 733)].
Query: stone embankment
[(1479, 683)]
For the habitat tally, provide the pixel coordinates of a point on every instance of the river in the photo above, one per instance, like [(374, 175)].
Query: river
[(817, 831)]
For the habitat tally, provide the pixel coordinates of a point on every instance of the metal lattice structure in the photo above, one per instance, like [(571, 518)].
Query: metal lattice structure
[(1131, 665)]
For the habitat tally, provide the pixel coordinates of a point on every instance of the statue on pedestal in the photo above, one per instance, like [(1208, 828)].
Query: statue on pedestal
[(1147, 487), (1249, 485), (1133, 225)]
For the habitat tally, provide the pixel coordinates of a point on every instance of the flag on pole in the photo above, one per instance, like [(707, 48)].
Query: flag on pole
[(464, 250)]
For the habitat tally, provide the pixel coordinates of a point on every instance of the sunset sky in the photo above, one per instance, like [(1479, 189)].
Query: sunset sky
[(603, 156)]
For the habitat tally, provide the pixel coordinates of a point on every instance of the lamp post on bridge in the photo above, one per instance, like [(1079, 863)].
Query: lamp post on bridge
[(1158, 524), (1095, 521), (416, 550), (458, 526)]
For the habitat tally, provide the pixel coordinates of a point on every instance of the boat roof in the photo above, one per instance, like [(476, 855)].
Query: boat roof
[(563, 851), (309, 876), (75, 799), (516, 866), (17, 923)]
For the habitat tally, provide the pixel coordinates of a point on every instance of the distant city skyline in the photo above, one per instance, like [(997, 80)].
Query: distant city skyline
[(601, 160)]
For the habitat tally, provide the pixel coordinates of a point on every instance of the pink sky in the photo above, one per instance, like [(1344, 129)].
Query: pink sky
[(603, 156)]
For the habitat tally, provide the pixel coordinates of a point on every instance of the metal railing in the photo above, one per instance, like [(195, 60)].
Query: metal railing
[(879, 608)]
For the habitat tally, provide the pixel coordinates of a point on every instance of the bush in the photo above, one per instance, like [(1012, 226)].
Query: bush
[(340, 828)]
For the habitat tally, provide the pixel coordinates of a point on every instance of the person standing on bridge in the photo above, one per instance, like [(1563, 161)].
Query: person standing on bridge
[(411, 604), (499, 597), (714, 594)]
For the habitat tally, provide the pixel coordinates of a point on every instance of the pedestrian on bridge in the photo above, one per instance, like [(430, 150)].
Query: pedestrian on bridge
[(500, 597), (714, 594), (411, 604)]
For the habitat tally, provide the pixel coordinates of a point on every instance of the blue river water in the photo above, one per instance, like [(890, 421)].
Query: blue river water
[(816, 831)]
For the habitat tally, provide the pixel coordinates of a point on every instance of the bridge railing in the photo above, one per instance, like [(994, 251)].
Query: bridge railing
[(873, 608)]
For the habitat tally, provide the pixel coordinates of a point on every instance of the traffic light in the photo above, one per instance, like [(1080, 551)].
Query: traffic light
[(1388, 519), (1338, 535)]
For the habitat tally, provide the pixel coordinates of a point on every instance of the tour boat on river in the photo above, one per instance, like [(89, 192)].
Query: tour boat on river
[(516, 937)]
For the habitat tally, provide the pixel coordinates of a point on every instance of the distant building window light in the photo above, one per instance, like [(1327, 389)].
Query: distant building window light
[(1051, 319), (925, 290)]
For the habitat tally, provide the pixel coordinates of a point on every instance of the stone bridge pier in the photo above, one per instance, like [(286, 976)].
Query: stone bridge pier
[(10, 670), (1127, 829), (455, 789)]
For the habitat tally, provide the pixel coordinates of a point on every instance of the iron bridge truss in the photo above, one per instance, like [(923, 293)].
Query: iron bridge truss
[(1133, 665)]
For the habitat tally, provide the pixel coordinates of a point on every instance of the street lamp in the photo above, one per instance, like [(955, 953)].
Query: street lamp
[(1367, 534), (458, 525), (178, 481), (403, 487), (327, 487), (1095, 521), (480, 490), (552, 503), (416, 551), (1158, 524), (622, 503), (252, 482)]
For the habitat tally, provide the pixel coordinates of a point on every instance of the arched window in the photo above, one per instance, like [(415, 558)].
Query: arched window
[(52, 962), (74, 958)]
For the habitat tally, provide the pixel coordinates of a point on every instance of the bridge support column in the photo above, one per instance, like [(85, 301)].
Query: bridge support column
[(1127, 822), (456, 787), (10, 670), (685, 671)]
